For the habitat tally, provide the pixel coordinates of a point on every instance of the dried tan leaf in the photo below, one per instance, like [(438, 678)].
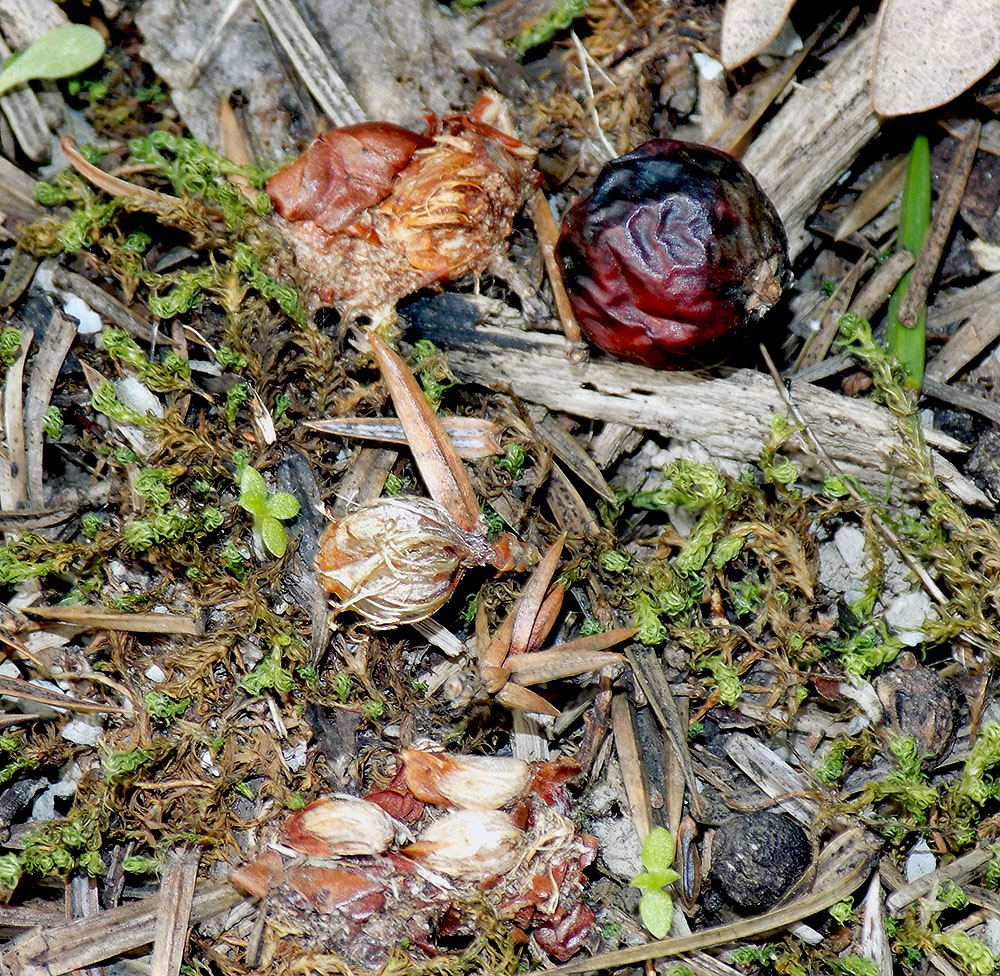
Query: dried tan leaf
[(101, 618), (929, 51), (513, 696), (26, 691), (434, 454), (473, 437), (748, 26), (538, 667)]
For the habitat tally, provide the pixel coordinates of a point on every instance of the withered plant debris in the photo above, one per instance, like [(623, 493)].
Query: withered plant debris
[(401, 763)]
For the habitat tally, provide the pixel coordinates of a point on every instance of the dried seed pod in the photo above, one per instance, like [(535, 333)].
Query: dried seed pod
[(688, 862), (757, 858), (397, 560), (453, 205), (470, 844), (467, 782), (339, 826), (447, 212), (918, 702), (674, 247)]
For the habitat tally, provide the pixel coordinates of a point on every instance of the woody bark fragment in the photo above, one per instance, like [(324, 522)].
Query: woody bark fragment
[(727, 414)]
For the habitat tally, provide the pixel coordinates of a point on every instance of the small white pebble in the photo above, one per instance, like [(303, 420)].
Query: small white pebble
[(295, 757), (204, 366), (138, 397), (155, 673), (707, 66), (906, 614), (77, 308), (84, 731), (44, 807), (920, 861), (208, 764)]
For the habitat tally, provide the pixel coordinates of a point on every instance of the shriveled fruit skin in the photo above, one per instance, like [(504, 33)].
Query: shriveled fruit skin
[(674, 247)]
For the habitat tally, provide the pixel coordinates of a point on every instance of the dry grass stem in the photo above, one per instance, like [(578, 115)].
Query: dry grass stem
[(629, 759), (14, 466), (310, 61), (472, 437)]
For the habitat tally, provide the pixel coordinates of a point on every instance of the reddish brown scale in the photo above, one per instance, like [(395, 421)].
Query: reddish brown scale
[(674, 248), (330, 888), (397, 800), (563, 938), (343, 173)]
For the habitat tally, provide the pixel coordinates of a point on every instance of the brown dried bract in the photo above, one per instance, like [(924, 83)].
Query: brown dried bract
[(392, 229)]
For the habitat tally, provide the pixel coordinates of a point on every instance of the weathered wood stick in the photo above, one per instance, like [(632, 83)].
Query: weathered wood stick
[(88, 941), (728, 415)]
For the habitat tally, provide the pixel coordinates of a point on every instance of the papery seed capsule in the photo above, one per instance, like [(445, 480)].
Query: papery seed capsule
[(467, 782), (339, 826), (397, 560), (470, 844)]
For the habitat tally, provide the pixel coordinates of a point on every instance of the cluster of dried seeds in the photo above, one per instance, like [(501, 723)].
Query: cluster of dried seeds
[(488, 829)]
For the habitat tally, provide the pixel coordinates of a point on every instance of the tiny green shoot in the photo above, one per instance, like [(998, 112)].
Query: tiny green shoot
[(268, 509), (655, 906), (62, 52), (908, 344)]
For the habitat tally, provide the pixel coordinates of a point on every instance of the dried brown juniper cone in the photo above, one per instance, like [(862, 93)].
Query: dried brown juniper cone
[(674, 249)]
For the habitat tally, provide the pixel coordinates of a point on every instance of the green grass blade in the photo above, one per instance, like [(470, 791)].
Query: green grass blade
[(908, 345)]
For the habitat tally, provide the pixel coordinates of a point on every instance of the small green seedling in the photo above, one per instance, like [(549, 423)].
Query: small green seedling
[(655, 906), (62, 52), (267, 509)]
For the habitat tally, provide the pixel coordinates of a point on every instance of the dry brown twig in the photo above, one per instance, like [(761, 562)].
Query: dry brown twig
[(174, 918), (547, 232)]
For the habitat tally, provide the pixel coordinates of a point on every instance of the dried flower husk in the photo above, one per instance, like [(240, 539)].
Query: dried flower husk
[(467, 782), (397, 560), (339, 826), (470, 844), (361, 906), (448, 213)]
